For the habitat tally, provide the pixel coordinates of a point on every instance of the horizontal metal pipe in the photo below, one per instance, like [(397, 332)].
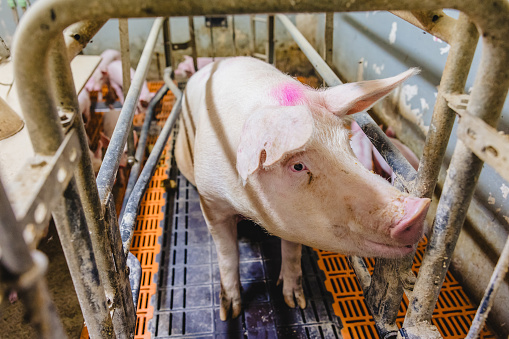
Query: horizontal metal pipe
[(436, 23), (108, 171), (142, 143), (78, 35), (129, 218)]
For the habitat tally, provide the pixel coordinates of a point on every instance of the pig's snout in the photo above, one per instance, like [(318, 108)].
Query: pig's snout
[(409, 229)]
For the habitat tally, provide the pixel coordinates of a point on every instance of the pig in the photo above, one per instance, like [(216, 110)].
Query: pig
[(96, 81), (114, 71), (260, 145), (186, 68)]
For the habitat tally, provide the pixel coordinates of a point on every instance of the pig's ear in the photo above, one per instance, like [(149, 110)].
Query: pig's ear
[(360, 96), (269, 134)]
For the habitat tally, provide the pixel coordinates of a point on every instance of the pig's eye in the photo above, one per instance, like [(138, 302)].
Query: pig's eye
[(298, 167)]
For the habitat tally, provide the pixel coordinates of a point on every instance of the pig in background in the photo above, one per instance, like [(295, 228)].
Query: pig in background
[(260, 145), (185, 69), (109, 73)]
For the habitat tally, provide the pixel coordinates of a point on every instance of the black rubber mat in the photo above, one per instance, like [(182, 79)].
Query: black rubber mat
[(187, 302)]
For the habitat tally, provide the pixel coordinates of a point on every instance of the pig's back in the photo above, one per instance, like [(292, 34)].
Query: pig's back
[(220, 98)]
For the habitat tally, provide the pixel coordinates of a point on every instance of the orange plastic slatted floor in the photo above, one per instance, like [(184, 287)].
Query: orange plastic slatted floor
[(145, 245), (452, 316)]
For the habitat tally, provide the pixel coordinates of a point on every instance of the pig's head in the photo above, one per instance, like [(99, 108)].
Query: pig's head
[(297, 158)]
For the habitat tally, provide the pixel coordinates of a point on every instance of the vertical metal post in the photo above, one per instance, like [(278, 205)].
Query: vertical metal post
[(192, 39), (253, 34), (167, 41), (271, 53), (123, 28), (329, 35), (234, 41), (489, 296), (17, 260), (99, 229), (70, 217), (454, 77)]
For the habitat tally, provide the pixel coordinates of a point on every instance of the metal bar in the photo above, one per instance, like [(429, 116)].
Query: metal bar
[(192, 40), (123, 28), (485, 142), (69, 215), (253, 34), (85, 177), (261, 56), (124, 304), (487, 301), (129, 219), (436, 23), (135, 273), (271, 52), (329, 37), (313, 56), (454, 77), (486, 102), (166, 42), (79, 34), (234, 40), (107, 173), (140, 150), (17, 259)]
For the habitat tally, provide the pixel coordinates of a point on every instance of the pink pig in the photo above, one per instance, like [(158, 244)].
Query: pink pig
[(259, 145), (115, 79), (98, 78), (186, 67)]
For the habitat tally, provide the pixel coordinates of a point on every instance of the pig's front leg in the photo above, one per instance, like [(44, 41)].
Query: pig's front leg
[(291, 273), (224, 233)]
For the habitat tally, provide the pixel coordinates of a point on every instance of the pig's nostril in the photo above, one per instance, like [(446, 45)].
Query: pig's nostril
[(410, 228)]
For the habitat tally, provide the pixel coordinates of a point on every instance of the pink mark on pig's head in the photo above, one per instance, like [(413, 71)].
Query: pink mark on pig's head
[(289, 94)]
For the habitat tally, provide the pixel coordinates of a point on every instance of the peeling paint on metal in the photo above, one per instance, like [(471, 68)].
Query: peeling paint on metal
[(445, 50), (424, 105), (392, 35), (405, 94), (505, 190), (378, 69)]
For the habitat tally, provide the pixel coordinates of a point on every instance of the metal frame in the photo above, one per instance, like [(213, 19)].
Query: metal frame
[(84, 213)]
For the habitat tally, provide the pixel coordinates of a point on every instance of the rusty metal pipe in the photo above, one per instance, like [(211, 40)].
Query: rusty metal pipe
[(454, 77), (486, 102), (108, 171), (73, 225), (78, 35)]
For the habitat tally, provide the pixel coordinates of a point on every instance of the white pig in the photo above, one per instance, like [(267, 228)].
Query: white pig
[(259, 145), (98, 78), (115, 77)]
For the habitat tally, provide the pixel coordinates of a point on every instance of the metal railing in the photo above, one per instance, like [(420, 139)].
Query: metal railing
[(83, 211)]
